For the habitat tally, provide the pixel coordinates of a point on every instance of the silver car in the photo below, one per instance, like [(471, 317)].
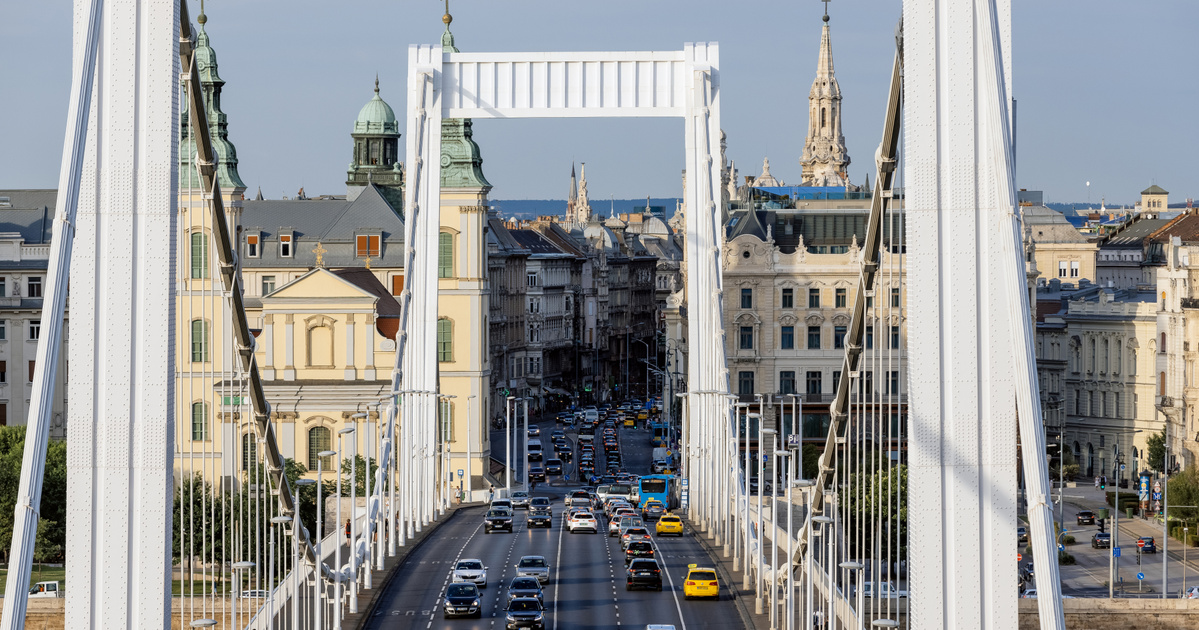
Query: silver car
[(520, 499), (470, 570), (534, 566)]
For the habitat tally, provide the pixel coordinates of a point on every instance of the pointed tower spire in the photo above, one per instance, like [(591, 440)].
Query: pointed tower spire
[(825, 158), (574, 185), (218, 124), (447, 38), (582, 203)]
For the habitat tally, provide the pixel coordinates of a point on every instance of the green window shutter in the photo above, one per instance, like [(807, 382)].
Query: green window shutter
[(199, 255), (319, 440), (199, 422), (199, 341), (445, 256), (445, 340)]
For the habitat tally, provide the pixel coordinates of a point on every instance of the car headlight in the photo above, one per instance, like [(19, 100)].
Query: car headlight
[(475, 603), (511, 619), (449, 604)]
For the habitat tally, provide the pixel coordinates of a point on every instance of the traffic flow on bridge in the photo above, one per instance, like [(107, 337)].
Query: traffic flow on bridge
[(593, 540)]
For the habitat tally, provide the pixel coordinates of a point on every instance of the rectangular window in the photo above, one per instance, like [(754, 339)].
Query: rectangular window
[(199, 255), (747, 298), (32, 369), (1115, 404), (838, 336), (840, 298), (445, 255), (3, 371), (814, 383), (397, 285), (893, 382), (813, 337), (787, 339), (895, 297), (445, 340), (836, 379), (199, 341), (895, 337), (367, 246), (1062, 266), (747, 338), (813, 298), (531, 279), (34, 286), (1074, 268), (3, 288), (35, 330), (252, 245), (285, 245), (786, 382), (3, 414), (745, 383), (3, 329), (268, 285), (788, 298), (869, 337), (867, 383)]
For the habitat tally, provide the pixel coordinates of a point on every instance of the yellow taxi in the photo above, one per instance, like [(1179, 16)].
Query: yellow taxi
[(669, 524), (700, 582), (629, 422), (643, 415)]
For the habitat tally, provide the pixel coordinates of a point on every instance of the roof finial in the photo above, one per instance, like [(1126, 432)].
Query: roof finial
[(204, 18), (825, 9), (447, 18), (376, 83)]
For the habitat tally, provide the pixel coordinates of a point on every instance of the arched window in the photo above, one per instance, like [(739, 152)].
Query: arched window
[(1132, 362), (199, 341), (1161, 383), (320, 344), (823, 117), (249, 451), (199, 255), (319, 439), (1162, 346), (445, 340), (199, 421), (445, 255)]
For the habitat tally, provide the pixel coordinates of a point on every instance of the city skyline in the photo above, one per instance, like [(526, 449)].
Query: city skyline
[(286, 141)]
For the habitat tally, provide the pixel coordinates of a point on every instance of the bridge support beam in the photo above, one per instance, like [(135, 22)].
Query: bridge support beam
[(120, 446), (968, 308)]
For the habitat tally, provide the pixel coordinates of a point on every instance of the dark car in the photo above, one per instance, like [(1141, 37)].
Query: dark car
[(540, 517), (462, 599), (525, 612), (1150, 545), (539, 502), (536, 473), (525, 587), (1101, 540), (643, 572), (639, 549), (497, 519), (1026, 572), (1086, 517), (553, 467)]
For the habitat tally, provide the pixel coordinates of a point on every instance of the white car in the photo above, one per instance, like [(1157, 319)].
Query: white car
[(582, 520), (533, 566), (1191, 593), (885, 590), (470, 570), (520, 499)]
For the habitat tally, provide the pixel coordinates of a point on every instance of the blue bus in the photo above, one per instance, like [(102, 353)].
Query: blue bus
[(659, 433), (660, 487)]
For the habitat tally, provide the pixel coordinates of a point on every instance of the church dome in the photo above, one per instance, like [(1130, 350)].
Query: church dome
[(376, 116)]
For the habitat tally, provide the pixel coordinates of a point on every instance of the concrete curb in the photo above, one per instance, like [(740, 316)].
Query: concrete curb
[(714, 554), (368, 611)]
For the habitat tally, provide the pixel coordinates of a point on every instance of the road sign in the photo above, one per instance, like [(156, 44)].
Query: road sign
[(1019, 557), (669, 453), (1123, 467), (1115, 552), (765, 458), (793, 439), (1061, 547), (1157, 486), (1140, 576), (685, 482), (1157, 496), (1140, 542), (460, 473)]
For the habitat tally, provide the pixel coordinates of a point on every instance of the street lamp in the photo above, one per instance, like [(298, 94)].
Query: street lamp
[(469, 453), (508, 440), (295, 569), (238, 567), (824, 521), (857, 568), (337, 594), (790, 476), (761, 534), (354, 510), (278, 520), (320, 528), (808, 485)]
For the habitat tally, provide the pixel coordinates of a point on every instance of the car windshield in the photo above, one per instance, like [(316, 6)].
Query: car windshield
[(519, 495), (461, 590), (524, 605), (470, 564), (670, 519), (635, 531), (497, 513), (642, 565), (526, 583), (702, 576), (526, 563)]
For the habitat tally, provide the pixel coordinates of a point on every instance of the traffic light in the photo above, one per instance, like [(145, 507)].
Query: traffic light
[(1100, 522), (1103, 483)]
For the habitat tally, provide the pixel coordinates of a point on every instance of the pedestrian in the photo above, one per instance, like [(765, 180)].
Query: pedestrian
[(490, 493), (1096, 482), (347, 529)]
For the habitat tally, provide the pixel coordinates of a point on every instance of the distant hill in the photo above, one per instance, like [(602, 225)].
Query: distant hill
[(533, 208)]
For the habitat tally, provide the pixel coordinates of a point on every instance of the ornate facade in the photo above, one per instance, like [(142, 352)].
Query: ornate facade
[(825, 158)]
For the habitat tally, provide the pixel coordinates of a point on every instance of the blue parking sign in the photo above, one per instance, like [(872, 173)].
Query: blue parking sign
[(1140, 576), (1115, 552)]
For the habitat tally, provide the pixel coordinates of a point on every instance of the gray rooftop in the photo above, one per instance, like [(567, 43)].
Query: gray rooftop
[(29, 212)]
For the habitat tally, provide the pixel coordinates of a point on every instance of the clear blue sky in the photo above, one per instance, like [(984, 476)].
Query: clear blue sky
[(1107, 89)]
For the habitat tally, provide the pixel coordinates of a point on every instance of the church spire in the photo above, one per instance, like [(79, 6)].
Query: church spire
[(825, 158), (218, 124), (461, 161), (447, 38)]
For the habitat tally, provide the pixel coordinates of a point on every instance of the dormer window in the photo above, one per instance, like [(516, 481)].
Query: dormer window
[(252, 245), (367, 246), (285, 245)]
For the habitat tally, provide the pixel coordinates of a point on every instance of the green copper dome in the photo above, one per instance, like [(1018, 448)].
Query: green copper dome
[(376, 116)]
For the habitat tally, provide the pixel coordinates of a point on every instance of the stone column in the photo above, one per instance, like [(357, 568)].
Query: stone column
[(351, 371), (289, 347)]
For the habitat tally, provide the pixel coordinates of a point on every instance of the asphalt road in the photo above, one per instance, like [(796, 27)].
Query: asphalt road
[(586, 588)]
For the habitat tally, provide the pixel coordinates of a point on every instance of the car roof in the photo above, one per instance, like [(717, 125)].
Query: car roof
[(532, 557)]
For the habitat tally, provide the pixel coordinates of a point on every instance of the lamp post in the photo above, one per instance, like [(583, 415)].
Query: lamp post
[(647, 364), (524, 439), (238, 567), (469, 451), (1185, 543), (320, 527), (508, 440), (758, 604), (295, 545), (686, 470), (774, 538), (277, 520), (337, 594), (824, 522), (807, 485), (745, 475), (354, 510), (857, 567)]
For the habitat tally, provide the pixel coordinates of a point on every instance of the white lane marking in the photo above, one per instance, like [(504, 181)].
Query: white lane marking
[(678, 606), (558, 573)]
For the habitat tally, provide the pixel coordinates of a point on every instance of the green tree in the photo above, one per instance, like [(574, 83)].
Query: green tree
[(1156, 450), (1183, 489), (811, 461), (360, 475), (53, 503), (46, 548), (878, 497)]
